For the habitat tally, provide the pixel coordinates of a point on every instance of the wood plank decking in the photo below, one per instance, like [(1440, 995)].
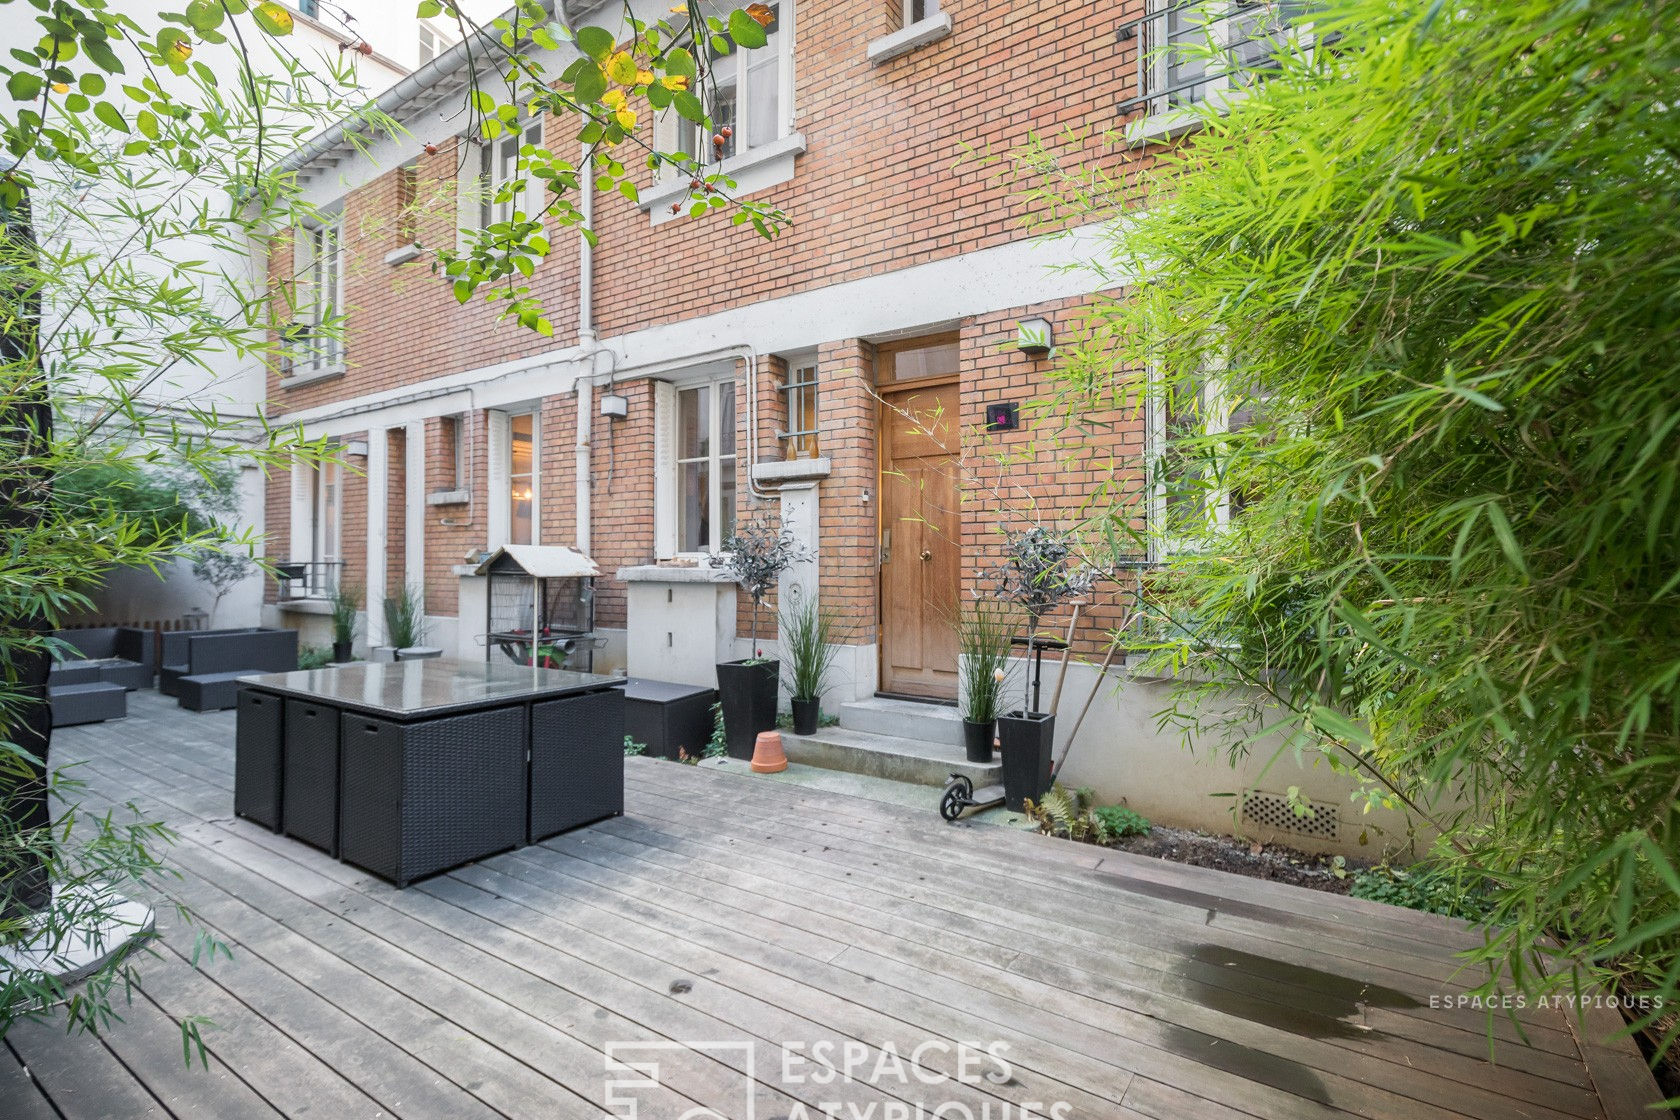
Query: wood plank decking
[(730, 930)]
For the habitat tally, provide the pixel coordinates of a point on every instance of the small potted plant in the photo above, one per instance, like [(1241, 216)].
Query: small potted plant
[(344, 605), (809, 641), (755, 556), (984, 628), (1039, 571), (405, 627)]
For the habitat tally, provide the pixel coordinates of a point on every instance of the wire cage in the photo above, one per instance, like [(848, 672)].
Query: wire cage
[(540, 607)]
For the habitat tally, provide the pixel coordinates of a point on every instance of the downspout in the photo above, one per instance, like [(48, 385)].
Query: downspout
[(587, 343)]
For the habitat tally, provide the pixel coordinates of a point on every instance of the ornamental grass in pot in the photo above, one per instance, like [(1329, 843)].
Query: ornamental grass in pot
[(755, 556), (984, 628), (810, 637), (344, 607)]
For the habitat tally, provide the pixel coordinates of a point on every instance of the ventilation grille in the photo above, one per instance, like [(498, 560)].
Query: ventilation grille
[(1272, 810)]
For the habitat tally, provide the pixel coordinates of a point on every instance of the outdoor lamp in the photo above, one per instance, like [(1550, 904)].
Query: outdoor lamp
[(1033, 337)]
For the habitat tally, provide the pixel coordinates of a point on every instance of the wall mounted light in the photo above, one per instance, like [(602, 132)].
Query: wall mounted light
[(615, 406), (1033, 337), (1004, 416)]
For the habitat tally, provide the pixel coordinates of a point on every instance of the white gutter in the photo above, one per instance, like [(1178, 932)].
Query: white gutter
[(582, 476), (477, 46)]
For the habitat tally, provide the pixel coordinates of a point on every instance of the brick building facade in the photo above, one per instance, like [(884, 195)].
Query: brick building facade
[(894, 234)]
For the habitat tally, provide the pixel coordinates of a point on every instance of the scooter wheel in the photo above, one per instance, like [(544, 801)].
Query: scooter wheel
[(958, 795)]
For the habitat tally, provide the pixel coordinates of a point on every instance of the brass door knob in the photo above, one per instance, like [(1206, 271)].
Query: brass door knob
[(927, 554)]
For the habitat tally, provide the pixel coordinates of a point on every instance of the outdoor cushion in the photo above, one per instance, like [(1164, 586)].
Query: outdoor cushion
[(86, 703), (211, 692), (169, 677), (73, 672)]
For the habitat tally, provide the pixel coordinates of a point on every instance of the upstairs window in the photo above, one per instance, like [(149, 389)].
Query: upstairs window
[(498, 166), (1190, 51), (315, 338), (749, 92)]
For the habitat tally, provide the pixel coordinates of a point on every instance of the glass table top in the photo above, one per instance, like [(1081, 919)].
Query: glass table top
[(411, 688)]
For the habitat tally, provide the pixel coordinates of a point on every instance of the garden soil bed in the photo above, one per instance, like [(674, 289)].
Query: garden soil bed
[(1276, 862)]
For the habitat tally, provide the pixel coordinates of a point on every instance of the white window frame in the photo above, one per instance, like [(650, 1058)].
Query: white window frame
[(802, 381), (318, 262), (674, 133), (313, 502), (1167, 113), (536, 475), (909, 18), (668, 464), (434, 39), (1215, 418), (498, 164)]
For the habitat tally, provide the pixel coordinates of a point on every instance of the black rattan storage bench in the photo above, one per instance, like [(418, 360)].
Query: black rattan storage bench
[(670, 720), (409, 768)]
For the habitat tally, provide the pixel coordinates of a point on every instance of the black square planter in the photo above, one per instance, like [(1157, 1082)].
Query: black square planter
[(1025, 740), (747, 692)]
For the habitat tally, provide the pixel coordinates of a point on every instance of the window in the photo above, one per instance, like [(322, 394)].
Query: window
[(452, 452), (498, 166), (1191, 496), (434, 40), (522, 478), (799, 392), (315, 338), (1191, 50), (915, 11), (748, 93), (705, 466), (918, 359), (317, 506)]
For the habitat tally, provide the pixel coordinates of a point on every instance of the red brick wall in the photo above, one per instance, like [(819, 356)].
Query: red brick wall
[(1044, 473), (622, 498), (453, 530)]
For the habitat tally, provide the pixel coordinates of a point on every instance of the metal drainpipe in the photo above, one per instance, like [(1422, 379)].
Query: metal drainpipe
[(586, 340)]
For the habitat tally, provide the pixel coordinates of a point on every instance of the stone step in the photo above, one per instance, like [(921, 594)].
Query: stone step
[(887, 756), (904, 719)]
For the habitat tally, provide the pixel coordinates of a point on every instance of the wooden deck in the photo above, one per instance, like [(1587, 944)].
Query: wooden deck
[(726, 928)]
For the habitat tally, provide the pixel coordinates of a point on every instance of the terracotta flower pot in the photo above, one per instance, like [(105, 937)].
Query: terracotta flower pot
[(768, 756)]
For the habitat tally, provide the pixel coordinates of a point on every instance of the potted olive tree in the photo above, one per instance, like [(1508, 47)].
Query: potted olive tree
[(344, 607), (984, 628), (755, 556), (1039, 572), (809, 641)]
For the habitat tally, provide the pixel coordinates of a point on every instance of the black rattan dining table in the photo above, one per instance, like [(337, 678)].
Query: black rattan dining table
[(409, 768)]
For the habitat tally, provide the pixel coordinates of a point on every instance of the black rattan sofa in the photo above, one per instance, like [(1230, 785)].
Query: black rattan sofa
[(207, 679), (120, 655)]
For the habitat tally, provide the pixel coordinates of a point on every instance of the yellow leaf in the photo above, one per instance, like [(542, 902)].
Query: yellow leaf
[(60, 87), (621, 68), (613, 99), (626, 118), (644, 77), (273, 18), (177, 52), (675, 81)]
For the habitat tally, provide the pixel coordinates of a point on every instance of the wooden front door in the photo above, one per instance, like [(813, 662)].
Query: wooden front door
[(920, 541)]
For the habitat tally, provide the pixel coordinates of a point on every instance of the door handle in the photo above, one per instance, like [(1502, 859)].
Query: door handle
[(886, 546), (927, 554)]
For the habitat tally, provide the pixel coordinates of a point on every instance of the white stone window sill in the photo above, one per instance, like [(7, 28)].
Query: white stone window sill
[(448, 498), (930, 29), (1157, 128), (298, 380), (792, 470), (674, 573), (756, 170), (306, 606)]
